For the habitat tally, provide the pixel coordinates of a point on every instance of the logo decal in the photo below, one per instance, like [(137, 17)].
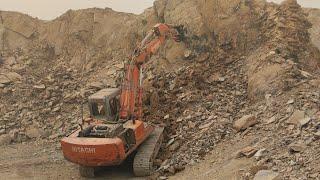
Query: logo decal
[(84, 150)]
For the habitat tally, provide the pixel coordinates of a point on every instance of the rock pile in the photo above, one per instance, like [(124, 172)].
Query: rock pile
[(197, 110), (208, 101)]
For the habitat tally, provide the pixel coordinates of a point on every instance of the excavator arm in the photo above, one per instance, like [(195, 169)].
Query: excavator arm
[(131, 90)]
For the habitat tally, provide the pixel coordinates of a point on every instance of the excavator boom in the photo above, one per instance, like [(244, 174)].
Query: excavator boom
[(131, 90)]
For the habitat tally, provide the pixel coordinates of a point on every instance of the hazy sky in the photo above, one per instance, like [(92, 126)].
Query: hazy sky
[(305, 3), (50, 9)]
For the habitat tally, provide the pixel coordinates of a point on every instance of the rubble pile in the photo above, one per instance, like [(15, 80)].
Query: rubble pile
[(211, 100), (198, 105), (287, 131), (48, 69), (246, 68), (41, 105), (45, 97)]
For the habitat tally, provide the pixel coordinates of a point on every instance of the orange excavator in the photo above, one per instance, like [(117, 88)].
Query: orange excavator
[(116, 128)]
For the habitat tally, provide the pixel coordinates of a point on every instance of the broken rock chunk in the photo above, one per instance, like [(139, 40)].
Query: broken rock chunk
[(304, 121), (5, 139), (187, 53), (119, 65), (10, 61), (4, 79), (259, 154), (266, 175), (295, 148), (247, 152), (40, 87), (271, 120), (205, 125), (13, 76), (174, 146), (96, 85), (299, 118), (33, 132), (245, 122)]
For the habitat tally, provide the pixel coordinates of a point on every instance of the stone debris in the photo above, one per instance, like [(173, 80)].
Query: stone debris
[(260, 153), (291, 101), (245, 122), (247, 152), (271, 120), (206, 126), (33, 132), (42, 86), (174, 146), (266, 175), (294, 148), (2, 131), (296, 116), (304, 121), (5, 139), (96, 85), (299, 118), (13, 76), (4, 79)]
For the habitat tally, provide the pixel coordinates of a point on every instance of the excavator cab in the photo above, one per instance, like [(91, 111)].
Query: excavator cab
[(104, 105)]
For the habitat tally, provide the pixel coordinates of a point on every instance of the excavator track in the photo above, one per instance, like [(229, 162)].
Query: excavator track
[(147, 152), (88, 172)]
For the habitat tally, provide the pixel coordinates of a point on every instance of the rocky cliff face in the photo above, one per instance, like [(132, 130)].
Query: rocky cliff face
[(76, 35), (313, 16)]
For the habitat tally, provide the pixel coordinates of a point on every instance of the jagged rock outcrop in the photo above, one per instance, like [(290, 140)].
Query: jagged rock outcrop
[(313, 17)]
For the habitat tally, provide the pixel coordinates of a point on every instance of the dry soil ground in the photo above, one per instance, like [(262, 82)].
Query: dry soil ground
[(42, 160)]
